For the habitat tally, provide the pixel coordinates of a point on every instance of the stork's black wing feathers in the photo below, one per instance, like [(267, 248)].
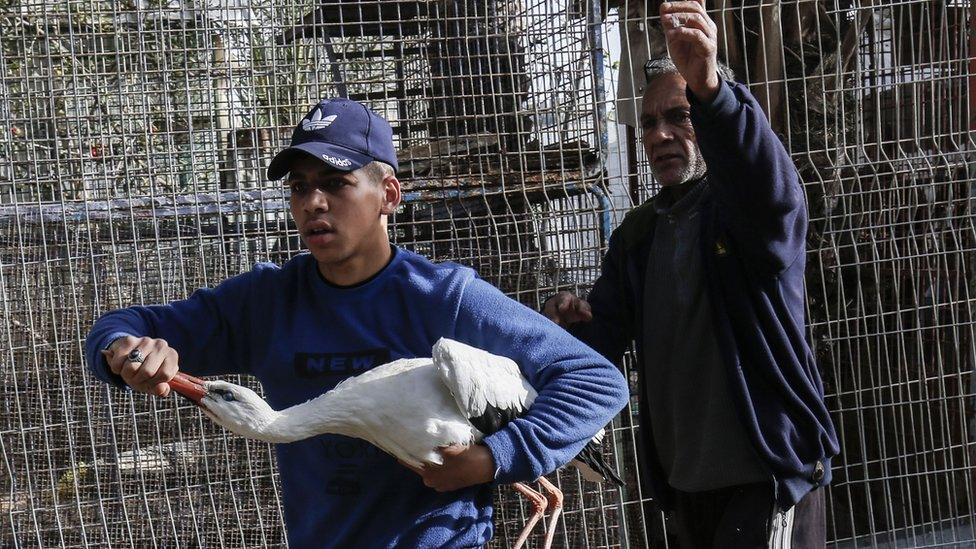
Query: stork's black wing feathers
[(489, 389), (592, 456), (494, 418)]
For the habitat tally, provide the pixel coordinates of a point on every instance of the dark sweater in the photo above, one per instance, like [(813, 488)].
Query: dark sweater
[(753, 230), (700, 441)]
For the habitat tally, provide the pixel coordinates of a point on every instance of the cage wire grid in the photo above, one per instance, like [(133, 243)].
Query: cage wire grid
[(135, 135)]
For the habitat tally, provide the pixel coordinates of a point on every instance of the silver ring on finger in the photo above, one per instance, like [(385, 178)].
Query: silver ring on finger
[(136, 356)]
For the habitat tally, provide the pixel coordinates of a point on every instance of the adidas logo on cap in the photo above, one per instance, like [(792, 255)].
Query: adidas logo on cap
[(339, 162), (317, 122)]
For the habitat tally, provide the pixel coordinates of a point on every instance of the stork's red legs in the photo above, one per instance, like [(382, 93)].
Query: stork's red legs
[(555, 497), (539, 504), (553, 500)]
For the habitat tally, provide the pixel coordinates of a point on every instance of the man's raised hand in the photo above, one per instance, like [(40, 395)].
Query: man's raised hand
[(691, 37)]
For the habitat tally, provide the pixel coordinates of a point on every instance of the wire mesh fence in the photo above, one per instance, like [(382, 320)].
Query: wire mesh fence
[(134, 139)]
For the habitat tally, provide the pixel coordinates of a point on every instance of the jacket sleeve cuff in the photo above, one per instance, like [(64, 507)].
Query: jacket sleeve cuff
[(503, 450), (724, 104), (100, 367)]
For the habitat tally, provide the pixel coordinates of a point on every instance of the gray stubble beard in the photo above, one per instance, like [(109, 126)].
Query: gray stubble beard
[(695, 169)]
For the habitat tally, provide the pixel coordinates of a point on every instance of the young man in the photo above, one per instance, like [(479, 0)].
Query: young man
[(356, 302), (707, 279)]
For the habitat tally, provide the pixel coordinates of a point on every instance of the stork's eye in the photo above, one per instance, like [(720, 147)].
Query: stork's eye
[(225, 394)]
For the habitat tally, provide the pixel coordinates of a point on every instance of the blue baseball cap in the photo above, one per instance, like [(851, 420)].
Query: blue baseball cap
[(340, 132)]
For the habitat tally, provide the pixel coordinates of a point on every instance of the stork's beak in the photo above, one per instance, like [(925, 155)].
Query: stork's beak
[(190, 387)]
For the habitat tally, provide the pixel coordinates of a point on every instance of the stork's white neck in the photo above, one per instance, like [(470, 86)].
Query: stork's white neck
[(331, 413)]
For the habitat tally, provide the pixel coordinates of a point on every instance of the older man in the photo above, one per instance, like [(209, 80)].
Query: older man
[(707, 279)]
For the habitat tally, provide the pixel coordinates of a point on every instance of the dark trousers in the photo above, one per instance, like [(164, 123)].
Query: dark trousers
[(744, 517)]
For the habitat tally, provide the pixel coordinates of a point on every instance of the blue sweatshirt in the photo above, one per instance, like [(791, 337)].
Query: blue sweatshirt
[(301, 336), (753, 233)]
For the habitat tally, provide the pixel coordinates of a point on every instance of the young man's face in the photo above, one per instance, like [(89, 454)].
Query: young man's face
[(340, 215), (668, 138)]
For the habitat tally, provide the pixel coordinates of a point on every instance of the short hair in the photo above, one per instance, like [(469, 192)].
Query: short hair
[(378, 171), (659, 66)]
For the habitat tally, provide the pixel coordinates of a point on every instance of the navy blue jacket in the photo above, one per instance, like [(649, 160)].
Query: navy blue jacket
[(754, 227)]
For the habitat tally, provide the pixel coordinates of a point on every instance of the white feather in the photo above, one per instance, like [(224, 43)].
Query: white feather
[(479, 379)]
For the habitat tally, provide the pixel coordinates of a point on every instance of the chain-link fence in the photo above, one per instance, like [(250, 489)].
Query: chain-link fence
[(133, 141)]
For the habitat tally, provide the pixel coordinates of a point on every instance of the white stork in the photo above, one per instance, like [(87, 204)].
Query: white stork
[(467, 393)]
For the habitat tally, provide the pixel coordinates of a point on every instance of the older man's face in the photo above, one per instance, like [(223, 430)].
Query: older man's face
[(669, 139)]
